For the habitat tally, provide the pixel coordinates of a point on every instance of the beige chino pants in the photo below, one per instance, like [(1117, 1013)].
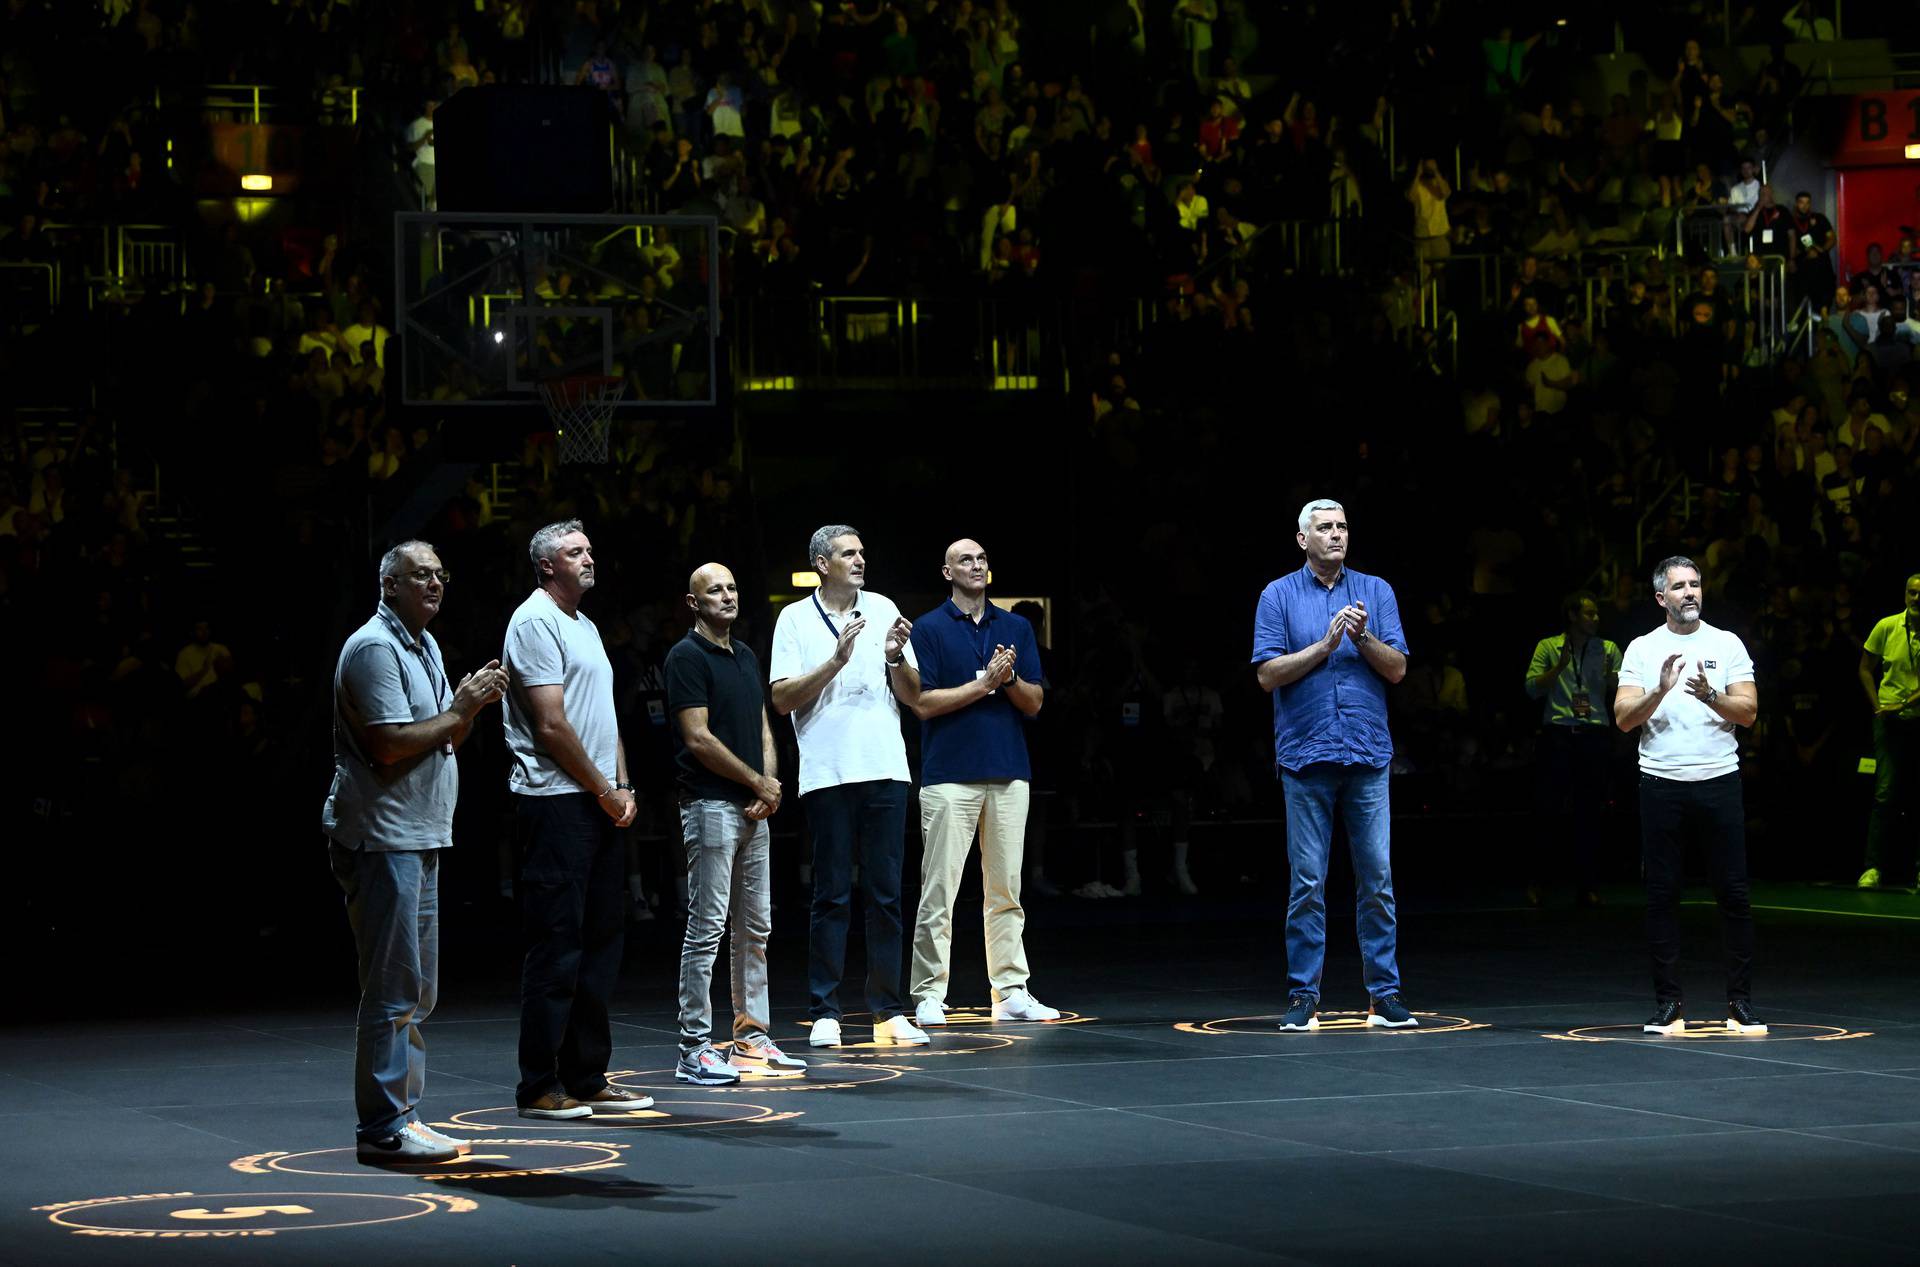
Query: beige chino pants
[(950, 813)]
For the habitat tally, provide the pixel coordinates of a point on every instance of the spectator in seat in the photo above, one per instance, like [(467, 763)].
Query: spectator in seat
[(1534, 325), (1549, 375), (201, 662)]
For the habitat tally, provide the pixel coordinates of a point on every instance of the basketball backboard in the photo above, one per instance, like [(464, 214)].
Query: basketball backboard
[(488, 306)]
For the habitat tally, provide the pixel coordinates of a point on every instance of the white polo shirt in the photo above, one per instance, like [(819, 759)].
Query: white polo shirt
[(850, 733), (1685, 740)]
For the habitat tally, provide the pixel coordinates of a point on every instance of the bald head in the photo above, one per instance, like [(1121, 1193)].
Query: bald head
[(715, 599), (966, 568)]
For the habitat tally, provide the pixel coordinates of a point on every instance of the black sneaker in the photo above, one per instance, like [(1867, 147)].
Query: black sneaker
[(1741, 1020), (1301, 1009), (1389, 1011), (1666, 1020)]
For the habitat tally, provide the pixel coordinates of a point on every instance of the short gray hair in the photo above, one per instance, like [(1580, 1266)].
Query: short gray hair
[(1320, 503), (1666, 565), (823, 539), (547, 540), (391, 560)]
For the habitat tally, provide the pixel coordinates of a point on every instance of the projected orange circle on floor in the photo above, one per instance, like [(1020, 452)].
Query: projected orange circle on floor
[(664, 1114), (491, 1158), (1709, 1032), (820, 1075), (224, 1215), (1330, 1023)]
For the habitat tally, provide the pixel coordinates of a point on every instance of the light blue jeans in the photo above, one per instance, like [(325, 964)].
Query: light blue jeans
[(393, 906), (727, 871), (1358, 794)]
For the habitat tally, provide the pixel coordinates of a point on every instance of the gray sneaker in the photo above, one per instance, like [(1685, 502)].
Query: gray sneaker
[(441, 1137), (706, 1068)]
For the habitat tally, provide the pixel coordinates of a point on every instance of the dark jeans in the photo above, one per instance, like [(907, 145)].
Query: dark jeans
[(1896, 788), (867, 821), (1672, 813), (572, 892), (1570, 797)]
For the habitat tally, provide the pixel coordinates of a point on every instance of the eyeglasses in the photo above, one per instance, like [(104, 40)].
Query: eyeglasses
[(424, 575)]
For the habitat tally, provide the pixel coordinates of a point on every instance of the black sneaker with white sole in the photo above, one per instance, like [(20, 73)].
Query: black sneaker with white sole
[(1389, 1011), (1741, 1018), (1666, 1019), (1301, 1013)]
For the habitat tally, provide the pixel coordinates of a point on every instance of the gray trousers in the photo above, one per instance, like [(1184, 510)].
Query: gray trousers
[(727, 868), (393, 907)]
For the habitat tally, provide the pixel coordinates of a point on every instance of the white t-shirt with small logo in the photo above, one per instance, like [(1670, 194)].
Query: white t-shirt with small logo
[(850, 733), (1685, 740)]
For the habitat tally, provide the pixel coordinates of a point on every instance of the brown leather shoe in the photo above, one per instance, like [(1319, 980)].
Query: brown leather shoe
[(554, 1106), (612, 1099)]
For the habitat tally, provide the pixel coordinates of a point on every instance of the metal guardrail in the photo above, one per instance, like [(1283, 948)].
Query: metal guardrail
[(789, 344), (16, 278), (257, 103)]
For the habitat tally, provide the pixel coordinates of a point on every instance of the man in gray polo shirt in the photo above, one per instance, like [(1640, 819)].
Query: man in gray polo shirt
[(570, 790), (396, 726)]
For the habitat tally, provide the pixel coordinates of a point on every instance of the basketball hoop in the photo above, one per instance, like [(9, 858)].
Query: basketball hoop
[(582, 408)]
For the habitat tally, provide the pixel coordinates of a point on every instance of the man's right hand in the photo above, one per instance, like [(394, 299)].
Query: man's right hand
[(843, 649), (768, 790), (1670, 673), (1337, 628)]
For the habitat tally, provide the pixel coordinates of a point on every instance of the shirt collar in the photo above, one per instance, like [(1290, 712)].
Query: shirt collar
[(708, 644), (398, 628), (989, 613), (1313, 578)]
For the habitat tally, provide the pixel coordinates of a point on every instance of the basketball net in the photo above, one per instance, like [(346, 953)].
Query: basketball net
[(582, 411)]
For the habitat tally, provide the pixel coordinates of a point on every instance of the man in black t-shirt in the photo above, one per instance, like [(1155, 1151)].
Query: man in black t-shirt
[(728, 775), (1812, 254)]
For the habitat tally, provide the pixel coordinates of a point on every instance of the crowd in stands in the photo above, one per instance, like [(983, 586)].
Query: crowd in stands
[(1532, 360)]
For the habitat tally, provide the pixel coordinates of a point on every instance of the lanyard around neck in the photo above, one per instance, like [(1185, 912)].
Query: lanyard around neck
[(831, 627)]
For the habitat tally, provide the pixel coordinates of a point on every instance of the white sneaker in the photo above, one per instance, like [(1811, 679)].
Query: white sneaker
[(763, 1053), (825, 1033), (898, 1031), (929, 1012), (440, 1138), (407, 1144), (1017, 1005)]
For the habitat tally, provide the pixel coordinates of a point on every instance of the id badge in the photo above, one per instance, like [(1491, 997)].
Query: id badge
[(1130, 713), (656, 712), (1766, 237), (1806, 240)]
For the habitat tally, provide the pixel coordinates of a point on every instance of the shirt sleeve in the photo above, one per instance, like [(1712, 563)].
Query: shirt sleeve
[(927, 654), (1386, 621), (534, 655), (1877, 639), (783, 661), (1269, 627), (1739, 663), (1026, 660), (1630, 670), (1613, 657), (1542, 661), (687, 685), (377, 687)]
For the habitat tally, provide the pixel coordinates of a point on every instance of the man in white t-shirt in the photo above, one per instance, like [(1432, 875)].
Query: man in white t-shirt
[(835, 656), (570, 790), (1686, 687), (420, 145), (1741, 200)]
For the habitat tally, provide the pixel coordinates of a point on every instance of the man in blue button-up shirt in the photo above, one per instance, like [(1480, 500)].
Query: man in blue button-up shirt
[(1326, 642)]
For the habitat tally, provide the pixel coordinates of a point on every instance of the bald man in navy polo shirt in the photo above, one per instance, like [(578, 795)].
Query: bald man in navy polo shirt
[(978, 681)]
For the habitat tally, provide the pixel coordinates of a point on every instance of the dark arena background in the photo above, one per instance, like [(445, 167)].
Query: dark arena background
[(1539, 296)]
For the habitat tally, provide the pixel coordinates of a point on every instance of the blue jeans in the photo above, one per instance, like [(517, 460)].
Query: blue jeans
[(393, 907), (1359, 795), (868, 821)]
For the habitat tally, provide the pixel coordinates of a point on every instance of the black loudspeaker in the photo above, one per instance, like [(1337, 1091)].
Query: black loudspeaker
[(524, 147)]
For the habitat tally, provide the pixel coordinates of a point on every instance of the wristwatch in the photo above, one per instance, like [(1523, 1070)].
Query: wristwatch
[(894, 664), (1362, 636)]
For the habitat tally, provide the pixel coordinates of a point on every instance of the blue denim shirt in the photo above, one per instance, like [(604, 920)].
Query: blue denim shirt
[(1338, 711)]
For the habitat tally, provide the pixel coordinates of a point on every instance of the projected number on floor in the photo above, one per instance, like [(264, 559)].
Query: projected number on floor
[(1330, 1023), (226, 1215), (496, 1158)]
